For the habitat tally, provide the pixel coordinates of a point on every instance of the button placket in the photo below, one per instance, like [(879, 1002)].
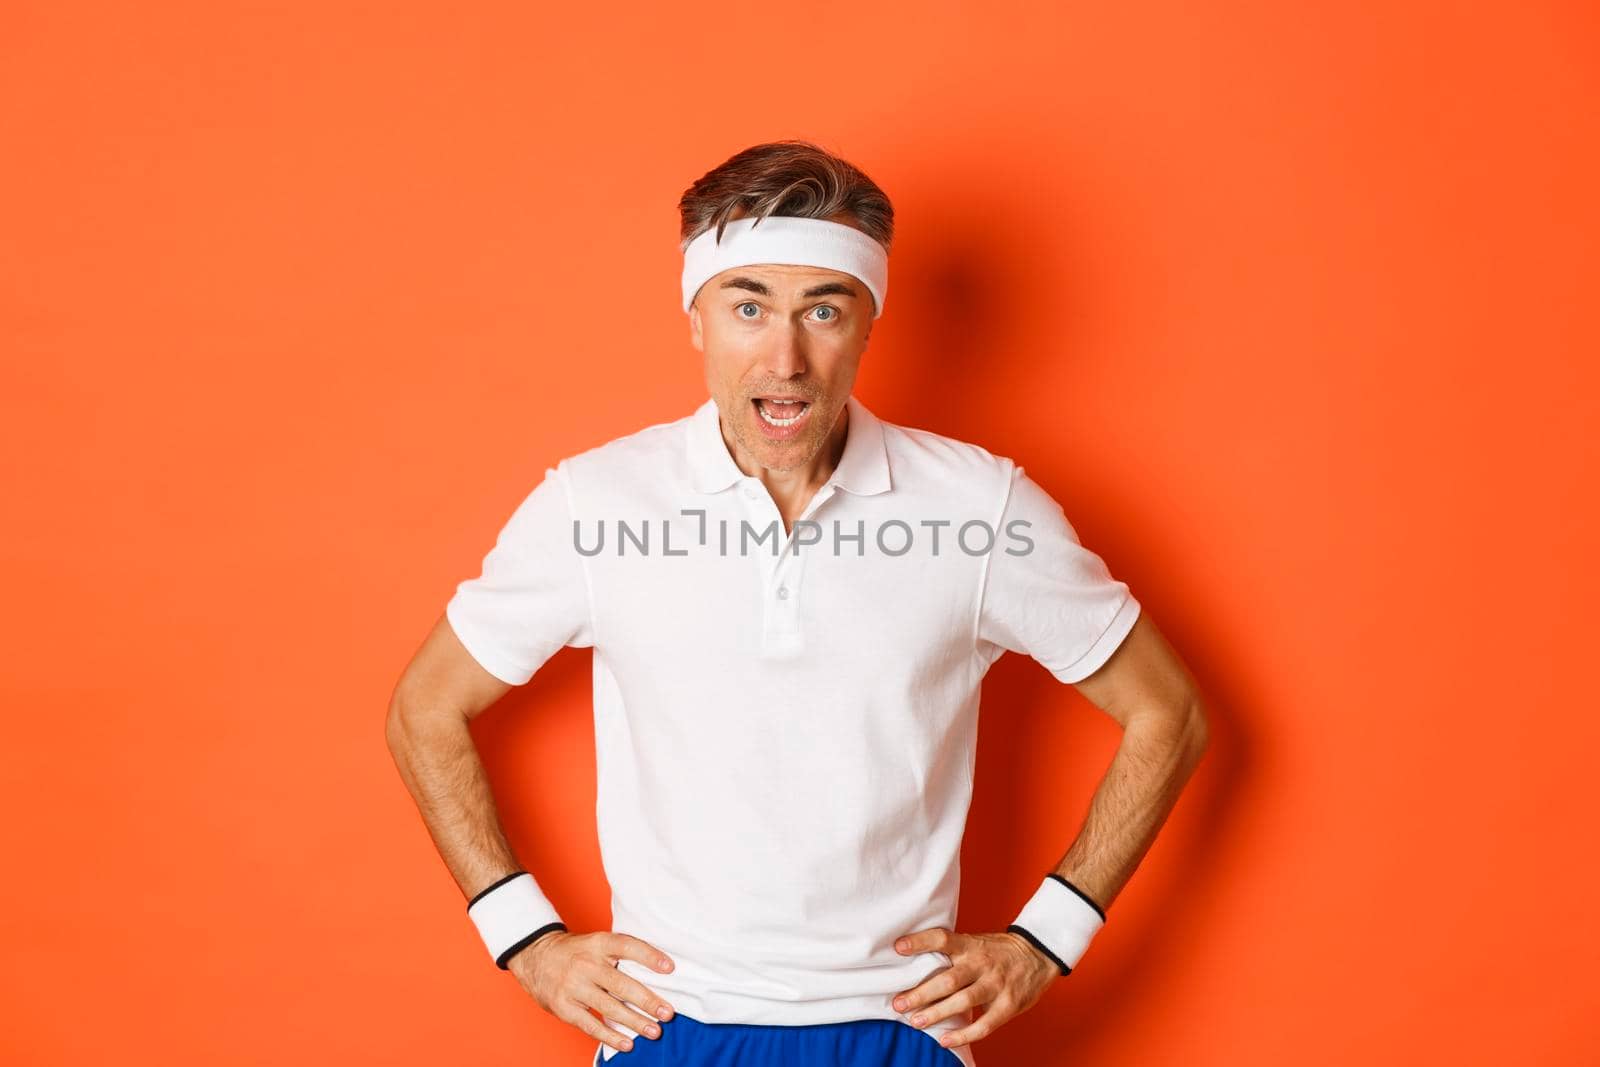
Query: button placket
[(786, 594), (782, 634), (764, 514)]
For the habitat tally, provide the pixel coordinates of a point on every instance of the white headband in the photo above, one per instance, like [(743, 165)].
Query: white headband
[(787, 239)]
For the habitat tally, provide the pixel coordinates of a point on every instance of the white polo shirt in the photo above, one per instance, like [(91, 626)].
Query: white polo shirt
[(786, 721)]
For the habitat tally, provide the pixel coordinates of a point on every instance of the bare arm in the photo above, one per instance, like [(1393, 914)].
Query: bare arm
[(441, 690), (1147, 689), (568, 974)]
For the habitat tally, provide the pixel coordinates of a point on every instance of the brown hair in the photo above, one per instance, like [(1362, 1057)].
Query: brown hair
[(789, 177)]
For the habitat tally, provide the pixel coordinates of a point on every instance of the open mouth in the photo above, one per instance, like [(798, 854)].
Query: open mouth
[(781, 413)]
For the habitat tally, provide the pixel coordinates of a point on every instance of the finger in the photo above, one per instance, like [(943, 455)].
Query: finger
[(626, 946), (609, 1007), (923, 940), (987, 1023), (630, 990), (969, 996), (573, 1013), (934, 988)]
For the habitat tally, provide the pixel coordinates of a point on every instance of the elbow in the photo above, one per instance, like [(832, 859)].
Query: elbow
[(416, 718), (1196, 729), (395, 727), (403, 723)]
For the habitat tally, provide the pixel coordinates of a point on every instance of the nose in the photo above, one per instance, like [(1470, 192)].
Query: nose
[(787, 358)]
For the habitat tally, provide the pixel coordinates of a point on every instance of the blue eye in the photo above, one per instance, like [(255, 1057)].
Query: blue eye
[(746, 304), (833, 314)]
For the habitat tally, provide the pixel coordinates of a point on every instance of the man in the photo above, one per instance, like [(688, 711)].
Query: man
[(791, 605)]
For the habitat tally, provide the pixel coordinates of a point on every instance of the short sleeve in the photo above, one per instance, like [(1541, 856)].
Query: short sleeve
[(532, 597), (1047, 596)]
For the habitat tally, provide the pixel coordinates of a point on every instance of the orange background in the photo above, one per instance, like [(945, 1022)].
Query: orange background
[(1292, 308)]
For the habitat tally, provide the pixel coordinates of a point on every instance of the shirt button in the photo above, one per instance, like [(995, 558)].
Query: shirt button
[(752, 491), (783, 592)]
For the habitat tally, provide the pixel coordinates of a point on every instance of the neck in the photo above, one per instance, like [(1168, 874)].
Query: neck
[(792, 489)]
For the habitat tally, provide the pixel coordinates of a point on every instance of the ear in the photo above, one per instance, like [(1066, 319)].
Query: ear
[(695, 336)]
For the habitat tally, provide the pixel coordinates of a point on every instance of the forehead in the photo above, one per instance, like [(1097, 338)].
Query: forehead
[(782, 278)]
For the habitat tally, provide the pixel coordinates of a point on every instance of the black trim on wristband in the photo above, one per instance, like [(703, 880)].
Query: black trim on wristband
[(505, 957), (492, 886), (1097, 909), (1040, 945)]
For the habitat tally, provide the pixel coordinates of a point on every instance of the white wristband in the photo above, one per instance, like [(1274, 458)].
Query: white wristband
[(1059, 920), (512, 914)]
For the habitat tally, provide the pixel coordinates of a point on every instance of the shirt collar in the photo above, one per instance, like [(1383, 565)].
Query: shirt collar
[(862, 469)]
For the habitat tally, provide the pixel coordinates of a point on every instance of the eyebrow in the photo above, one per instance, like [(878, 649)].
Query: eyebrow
[(826, 289)]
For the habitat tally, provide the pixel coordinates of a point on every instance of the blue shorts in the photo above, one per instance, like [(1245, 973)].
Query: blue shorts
[(686, 1042)]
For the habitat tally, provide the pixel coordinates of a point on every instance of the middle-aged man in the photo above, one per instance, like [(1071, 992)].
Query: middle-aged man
[(791, 604)]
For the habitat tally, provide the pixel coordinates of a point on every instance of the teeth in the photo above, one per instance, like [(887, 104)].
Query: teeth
[(762, 408)]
